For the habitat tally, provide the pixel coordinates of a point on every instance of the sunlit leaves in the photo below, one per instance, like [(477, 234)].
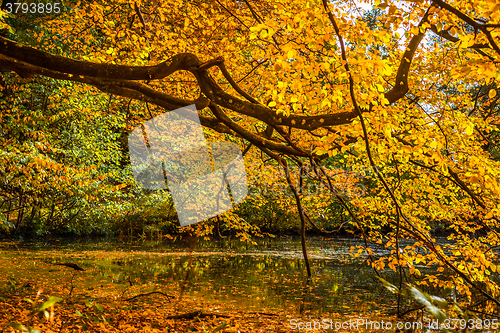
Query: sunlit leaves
[(436, 145), (492, 93), (49, 303)]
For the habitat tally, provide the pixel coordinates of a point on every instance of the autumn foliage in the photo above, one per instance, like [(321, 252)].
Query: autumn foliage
[(387, 112)]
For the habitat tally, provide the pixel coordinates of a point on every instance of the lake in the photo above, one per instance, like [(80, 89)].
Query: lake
[(269, 276)]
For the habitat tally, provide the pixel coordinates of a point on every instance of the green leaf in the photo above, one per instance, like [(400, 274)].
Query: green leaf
[(99, 307), (392, 288), (425, 299), (220, 327), (420, 296), (50, 302), (447, 291), (440, 302), (11, 284), (17, 326), (78, 313)]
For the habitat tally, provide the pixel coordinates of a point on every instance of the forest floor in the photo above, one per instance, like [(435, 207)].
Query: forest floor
[(149, 314)]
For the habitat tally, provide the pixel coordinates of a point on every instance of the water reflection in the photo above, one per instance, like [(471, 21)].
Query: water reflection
[(269, 275)]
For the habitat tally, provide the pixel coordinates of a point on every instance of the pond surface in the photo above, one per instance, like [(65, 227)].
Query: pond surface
[(268, 276)]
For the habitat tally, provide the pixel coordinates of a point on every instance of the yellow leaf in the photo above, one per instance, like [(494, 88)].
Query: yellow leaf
[(272, 104), (382, 5), (494, 6), (474, 180), (489, 215), (492, 93), (469, 130)]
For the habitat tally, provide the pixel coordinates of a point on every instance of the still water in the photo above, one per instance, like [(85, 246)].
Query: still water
[(270, 275)]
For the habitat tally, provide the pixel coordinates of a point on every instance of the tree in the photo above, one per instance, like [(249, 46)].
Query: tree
[(296, 81)]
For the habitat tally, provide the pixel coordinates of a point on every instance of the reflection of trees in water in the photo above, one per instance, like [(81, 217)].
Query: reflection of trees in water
[(265, 280)]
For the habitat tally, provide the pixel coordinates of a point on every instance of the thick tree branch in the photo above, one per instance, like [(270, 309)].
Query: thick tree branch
[(255, 139), (401, 85), (233, 84), (482, 27), (446, 35), (32, 56), (17, 56), (216, 94)]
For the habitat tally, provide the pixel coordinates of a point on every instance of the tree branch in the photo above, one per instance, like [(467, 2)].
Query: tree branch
[(32, 56)]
